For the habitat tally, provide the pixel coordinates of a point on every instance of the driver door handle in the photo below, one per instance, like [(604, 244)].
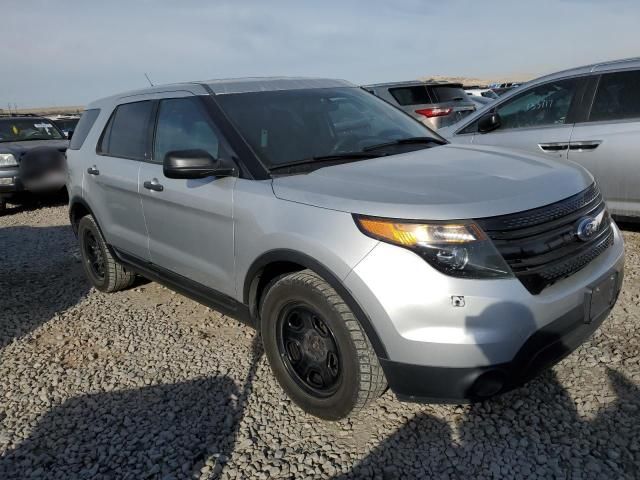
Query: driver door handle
[(93, 171), (584, 146), (153, 185)]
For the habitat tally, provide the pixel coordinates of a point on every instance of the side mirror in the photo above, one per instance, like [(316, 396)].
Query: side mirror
[(195, 164), (489, 122), (68, 134)]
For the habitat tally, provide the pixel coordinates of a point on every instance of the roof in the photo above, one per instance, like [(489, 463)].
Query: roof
[(267, 84), (633, 62), (232, 85), (410, 83)]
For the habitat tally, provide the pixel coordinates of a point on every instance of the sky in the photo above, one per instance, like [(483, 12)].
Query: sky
[(69, 52)]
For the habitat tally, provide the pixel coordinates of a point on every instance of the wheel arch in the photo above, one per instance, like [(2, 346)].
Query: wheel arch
[(78, 208), (282, 261)]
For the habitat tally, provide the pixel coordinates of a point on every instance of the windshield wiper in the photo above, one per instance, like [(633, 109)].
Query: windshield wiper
[(327, 158), (406, 141)]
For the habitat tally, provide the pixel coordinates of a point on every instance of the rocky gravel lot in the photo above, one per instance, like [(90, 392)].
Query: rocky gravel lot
[(147, 384)]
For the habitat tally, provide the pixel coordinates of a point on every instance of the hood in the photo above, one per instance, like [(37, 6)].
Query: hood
[(440, 183), (20, 148)]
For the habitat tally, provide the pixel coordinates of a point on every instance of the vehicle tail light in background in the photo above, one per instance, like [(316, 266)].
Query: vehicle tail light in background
[(434, 112)]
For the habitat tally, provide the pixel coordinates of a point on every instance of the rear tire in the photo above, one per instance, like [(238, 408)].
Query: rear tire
[(104, 272), (317, 349)]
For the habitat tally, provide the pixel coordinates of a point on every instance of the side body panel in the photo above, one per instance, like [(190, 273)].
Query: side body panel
[(549, 141)]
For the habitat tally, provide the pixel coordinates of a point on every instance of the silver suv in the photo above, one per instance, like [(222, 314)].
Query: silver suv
[(366, 250), (436, 104), (589, 115)]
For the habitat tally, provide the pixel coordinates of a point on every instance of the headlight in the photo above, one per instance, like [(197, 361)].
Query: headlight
[(458, 249), (8, 160)]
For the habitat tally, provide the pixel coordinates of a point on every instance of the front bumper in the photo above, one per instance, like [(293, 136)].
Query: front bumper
[(499, 337), (10, 181), (542, 350)]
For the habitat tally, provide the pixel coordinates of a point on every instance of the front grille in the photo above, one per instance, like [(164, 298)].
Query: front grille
[(541, 245)]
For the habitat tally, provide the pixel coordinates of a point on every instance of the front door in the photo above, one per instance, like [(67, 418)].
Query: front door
[(536, 120), (190, 222)]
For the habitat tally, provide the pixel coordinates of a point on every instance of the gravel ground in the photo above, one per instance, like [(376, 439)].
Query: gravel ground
[(148, 384)]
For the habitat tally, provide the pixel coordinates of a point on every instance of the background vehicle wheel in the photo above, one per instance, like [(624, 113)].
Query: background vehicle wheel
[(104, 271), (317, 348)]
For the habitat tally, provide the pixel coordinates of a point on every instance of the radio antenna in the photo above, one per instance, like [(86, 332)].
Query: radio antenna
[(149, 80)]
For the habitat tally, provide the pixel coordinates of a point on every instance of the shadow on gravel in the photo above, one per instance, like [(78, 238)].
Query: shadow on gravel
[(512, 437), (163, 431), (30, 201), (535, 430), (40, 276)]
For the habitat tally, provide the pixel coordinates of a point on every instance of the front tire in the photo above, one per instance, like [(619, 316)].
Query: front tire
[(102, 269), (317, 349)]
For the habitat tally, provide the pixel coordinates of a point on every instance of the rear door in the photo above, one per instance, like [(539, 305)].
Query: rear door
[(608, 143), (537, 120), (111, 177), (190, 222)]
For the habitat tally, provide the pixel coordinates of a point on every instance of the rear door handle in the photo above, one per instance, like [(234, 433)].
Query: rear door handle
[(554, 147), (153, 185), (584, 146), (93, 171)]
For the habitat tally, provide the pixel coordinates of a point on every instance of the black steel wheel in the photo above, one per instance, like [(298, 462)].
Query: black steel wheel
[(94, 257), (102, 269), (309, 349)]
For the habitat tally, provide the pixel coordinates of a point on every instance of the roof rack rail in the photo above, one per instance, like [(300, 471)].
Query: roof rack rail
[(2, 114)]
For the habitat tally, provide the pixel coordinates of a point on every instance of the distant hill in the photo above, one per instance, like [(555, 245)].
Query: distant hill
[(46, 110), (478, 81)]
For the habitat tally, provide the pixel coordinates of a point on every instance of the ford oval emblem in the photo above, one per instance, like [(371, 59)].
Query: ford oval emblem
[(587, 227)]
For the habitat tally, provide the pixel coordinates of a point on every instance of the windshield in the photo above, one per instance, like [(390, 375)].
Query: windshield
[(23, 129), (294, 125)]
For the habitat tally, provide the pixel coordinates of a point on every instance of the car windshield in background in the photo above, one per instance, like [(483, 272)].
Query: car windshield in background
[(300, 125), (67, 124), (19, 130)]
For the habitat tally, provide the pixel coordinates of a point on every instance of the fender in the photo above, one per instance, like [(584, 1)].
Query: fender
[(293, 256), (73, 202)]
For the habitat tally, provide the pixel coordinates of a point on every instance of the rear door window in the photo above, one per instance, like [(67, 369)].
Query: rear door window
[(617, 97), (126, 134), (83, 128), (416, 95)]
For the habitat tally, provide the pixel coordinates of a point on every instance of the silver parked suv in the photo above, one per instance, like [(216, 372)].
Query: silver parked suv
[(436, 104), (589, 115), (367, 251)]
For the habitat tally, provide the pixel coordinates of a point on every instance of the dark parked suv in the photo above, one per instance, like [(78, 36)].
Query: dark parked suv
[(32, 153)]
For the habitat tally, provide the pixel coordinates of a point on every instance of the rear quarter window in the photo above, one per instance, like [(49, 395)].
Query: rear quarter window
[(83, 128), (448, 93), (417, 95)]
